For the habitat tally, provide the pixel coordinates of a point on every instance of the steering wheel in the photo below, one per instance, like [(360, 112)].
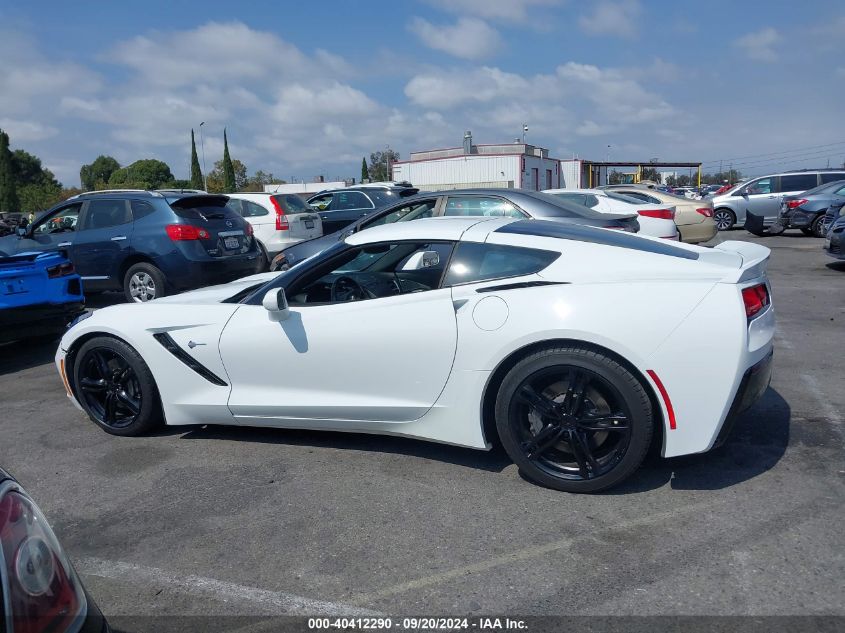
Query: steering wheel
[(347, 289)]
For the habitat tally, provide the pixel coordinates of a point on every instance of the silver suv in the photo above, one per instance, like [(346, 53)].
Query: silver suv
[(762, 196)]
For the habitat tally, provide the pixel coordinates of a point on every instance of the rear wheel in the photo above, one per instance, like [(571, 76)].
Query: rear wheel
[(725, 219), (816, 229), (143, 282), (115, 387), (574, 419)]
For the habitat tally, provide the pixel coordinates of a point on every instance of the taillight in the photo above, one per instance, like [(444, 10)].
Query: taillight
[(249, 230), (44, 593), (60, 270), (281, 221), (184, 232), (794, 204), (707, 212), (663, 214), (755, 299)]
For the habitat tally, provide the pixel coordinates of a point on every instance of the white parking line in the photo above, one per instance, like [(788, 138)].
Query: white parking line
[(275, 601), (822, 400)]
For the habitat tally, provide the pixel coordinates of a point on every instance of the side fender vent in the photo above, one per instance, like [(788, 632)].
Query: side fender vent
[(171, 346)]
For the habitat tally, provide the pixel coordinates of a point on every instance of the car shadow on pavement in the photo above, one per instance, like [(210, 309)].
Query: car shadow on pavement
[(493, 461), (27, 353), (756, 443), (837, 266)]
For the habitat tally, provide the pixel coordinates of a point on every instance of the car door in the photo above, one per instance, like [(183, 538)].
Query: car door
[(345, 208), (336, 363), (103, 242), (760, 197), (56, 230)]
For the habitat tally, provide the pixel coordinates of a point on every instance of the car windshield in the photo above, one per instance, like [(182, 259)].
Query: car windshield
[(829, 186), (554, 207), (622, 198), (292, 203)]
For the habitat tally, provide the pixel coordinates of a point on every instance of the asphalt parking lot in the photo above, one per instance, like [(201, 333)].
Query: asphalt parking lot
[(210, 520)]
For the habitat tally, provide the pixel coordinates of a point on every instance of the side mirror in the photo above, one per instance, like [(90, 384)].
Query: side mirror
[(420, 261), (276, 303), (21, 231), (743, 193)]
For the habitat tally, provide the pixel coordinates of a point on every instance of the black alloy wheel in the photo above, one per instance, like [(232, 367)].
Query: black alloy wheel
[(574, 419), (115, 387)]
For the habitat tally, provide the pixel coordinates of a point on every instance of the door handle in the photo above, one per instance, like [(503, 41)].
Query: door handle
[(63, 244), (118, 238)]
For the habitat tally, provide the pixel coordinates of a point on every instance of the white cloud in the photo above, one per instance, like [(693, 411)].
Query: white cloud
[(468, 38), (504, 10), (612, 17), (760, 45), (22, 131)]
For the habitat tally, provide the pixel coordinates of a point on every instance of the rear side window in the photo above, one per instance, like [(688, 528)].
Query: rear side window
[(577, 198), (832, 176), (798, 182), (141, 209), (292, 203), (251, 209), (478, 262)]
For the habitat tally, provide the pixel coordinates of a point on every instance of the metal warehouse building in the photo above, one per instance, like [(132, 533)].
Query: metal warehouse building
[(513, 165)]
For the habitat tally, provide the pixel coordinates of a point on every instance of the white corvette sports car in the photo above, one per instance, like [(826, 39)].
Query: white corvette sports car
[(575, 347)]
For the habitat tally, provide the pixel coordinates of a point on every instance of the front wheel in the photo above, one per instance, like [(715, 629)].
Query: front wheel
[(725, 219), (574, 419), (116, 388)]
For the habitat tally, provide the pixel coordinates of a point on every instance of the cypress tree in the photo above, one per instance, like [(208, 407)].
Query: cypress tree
[(228, 168), (8, 190), (365, 173), (196, 172)]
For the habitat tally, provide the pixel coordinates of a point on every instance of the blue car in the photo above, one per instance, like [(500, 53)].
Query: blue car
[(40, 293), (146, 243)]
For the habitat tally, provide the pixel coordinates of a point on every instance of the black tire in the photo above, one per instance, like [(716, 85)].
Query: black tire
[(541, 437), (725, 219), (143, 282), (124, 378), (816, 229), (263, 259)]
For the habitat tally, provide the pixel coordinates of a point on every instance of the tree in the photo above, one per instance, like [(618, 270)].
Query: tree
[(229, 185), (257, 181), (649, 173), (143, 174), (217, 177), (378, 165), (615, 177), (365, 173), (99, 171), (8, 187), (196, 172)]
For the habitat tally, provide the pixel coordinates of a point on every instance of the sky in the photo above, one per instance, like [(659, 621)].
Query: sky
[(309, 88)]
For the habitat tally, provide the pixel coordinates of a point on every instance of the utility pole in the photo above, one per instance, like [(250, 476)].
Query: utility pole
[(524, 131)]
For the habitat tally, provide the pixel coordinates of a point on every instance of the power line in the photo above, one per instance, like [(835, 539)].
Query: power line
[(802, 156), (797, 149)]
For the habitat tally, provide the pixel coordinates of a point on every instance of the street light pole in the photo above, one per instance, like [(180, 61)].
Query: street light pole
[(387, 157), (204, 171)]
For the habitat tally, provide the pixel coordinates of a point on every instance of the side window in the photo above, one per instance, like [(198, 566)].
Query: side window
[(141, 209), (797, 182), (252, 210), (839, 192), (102, 214), (321, 203), (477, 262), (479, 205), (374, 271), (591, 201), (236, 205), (832, 176), (763, 185), (64, 220), (346, 200), (414, 211)]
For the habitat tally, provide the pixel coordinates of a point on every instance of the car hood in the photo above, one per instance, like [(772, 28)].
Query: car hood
[(216, 294)]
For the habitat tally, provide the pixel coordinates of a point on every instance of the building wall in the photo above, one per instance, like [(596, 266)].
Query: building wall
[(479, 170), (304, 187)]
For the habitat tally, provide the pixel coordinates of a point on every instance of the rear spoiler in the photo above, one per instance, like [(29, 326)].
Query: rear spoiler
[(753, 260)]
